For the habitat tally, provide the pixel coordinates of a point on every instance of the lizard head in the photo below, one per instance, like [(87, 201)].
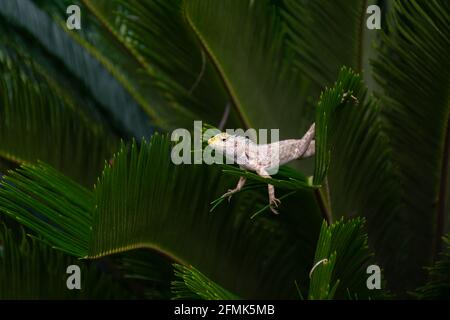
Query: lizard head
[(226, 144), (220, 141), (229, 145)]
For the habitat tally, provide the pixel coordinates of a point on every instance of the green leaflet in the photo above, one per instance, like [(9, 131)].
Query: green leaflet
[(51, 204), (192, 284), (341, 259)]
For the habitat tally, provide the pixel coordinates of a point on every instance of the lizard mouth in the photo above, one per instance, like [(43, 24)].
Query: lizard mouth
[(212, 140)]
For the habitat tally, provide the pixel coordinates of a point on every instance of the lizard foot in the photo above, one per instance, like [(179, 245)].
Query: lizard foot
[(274, 203), (229, 194)]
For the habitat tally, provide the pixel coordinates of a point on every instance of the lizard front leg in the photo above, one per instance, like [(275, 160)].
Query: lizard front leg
[(273, 201), (238, 188)]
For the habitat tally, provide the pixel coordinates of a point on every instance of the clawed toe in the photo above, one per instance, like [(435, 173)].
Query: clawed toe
[(274, 203), (229, 194), (273, 210)]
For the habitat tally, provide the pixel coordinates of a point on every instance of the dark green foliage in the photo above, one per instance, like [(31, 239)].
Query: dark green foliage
[(147, 275), (251, 63), (86, 65), (413, 71), (438, 285), (343, 274), (324, 35), (68, 97), (30, 269), (131, 208), (403, 136), (39, 120), (192, 284), (51, 204), (345, 91), (344, 255), (135, 192)]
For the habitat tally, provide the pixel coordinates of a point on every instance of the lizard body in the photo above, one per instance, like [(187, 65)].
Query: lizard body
[(261, 158)]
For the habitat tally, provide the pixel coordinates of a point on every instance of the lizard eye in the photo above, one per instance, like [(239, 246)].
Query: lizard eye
[(224, 139)]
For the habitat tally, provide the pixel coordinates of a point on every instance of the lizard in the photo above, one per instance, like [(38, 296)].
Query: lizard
[(260, 158)]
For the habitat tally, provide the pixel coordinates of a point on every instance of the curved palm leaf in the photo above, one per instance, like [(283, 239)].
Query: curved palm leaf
[(81, 63), (157, 35), (192, 284), (155, 59), (413, 71), (132, 207), (31, 270), (378, 147), (330, 103), (246, 48), (325, 35), (41, 120), (342, 257)]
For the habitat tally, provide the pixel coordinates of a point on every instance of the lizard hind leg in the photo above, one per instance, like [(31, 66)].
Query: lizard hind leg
[(238, 188), (273, 201)]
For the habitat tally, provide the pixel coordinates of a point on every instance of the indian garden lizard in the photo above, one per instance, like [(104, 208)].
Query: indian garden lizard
[(262, 157)]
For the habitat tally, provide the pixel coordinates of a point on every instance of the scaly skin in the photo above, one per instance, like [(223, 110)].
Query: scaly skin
[(261, 158)]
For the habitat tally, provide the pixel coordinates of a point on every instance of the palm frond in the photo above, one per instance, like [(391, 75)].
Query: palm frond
[(49, 203), (155, 59), (157, 35), (82, 63), (133, 207), (438, 285), (244, 41), (330, 103), (374, 174), (39, 120), (286, 178), (324, 36), (32, 270), (362, 179), (342, 256), (192, 284), (321, 286), (413, 71), (180, 228)]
